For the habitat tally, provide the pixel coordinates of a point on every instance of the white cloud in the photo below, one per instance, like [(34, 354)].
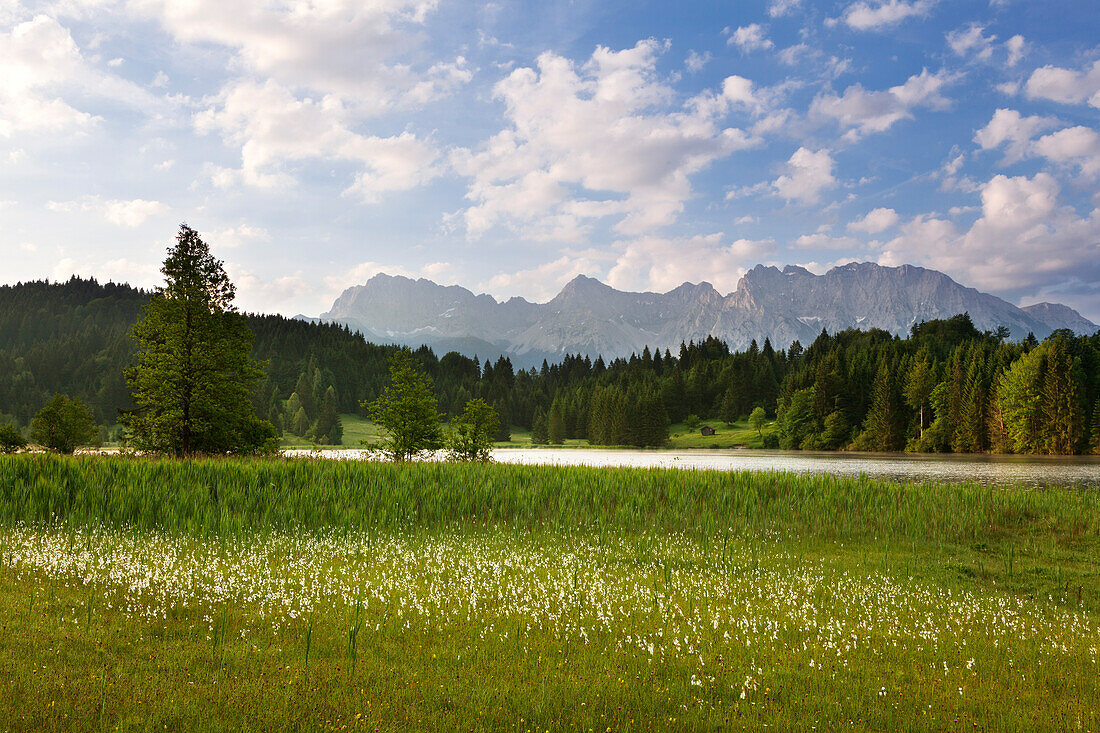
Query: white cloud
[(236, 236), (862, 112), (124, 213), (1024, 240), (342, 47), (877, 220), (42, 73), (808, 175), (971, 41), (779, 8), (821, 240), (543, 282), (1008, 127), (1065, 85), (604, 140), (1078, 146), (132, 213), (1016, 48), (696, 61), (750, 38), (661, 264), (283, 294), (273, 127), (878, 14)]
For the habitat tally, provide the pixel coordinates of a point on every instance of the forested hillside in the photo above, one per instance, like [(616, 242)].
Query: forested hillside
[(947, 387)]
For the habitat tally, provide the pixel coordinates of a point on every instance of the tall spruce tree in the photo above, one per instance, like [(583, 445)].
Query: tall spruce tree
[(555, 427), (194, 376)]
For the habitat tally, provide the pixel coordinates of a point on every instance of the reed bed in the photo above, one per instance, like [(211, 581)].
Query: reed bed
[(206, 497)]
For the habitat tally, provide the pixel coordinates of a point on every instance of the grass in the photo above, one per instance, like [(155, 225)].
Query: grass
[(737, 435), (292, 595)]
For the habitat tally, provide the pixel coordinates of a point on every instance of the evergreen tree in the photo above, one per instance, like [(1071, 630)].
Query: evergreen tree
[(328, 429), (1063, 421), (406, 411), (539, 431), (194, 377), (555, 428), (1095, 441), (1019, 397), (883, 429)]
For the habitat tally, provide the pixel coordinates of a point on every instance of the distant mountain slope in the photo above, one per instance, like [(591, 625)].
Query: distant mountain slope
[(589, 317)]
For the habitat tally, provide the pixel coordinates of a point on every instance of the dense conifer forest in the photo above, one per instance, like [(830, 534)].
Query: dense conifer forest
[(947, 387)]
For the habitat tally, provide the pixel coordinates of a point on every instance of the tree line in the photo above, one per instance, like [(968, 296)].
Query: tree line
[(945, 387)]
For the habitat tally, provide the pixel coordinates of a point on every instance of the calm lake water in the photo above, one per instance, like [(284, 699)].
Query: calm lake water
[(1076, 471)]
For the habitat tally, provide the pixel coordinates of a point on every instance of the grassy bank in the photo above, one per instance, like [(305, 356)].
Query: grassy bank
[(313, 595)]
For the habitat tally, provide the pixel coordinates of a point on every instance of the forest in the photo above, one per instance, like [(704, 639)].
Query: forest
[(946, 387)]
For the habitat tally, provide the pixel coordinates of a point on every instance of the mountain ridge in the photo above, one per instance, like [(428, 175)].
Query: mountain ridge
[(590, 317)]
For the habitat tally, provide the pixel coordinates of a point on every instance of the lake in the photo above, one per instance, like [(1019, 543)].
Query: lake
[(1079, 471)]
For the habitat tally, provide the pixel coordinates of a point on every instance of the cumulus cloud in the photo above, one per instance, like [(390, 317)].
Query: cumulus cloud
[(42, 71), (344, 47), (602, 140), (750, 38), (1074, 146), (661, 264), (120, 212), (972, 41), (862, 112), (1016, 48), (1013, 130), (809, 174), (274, 127), (779, 8), (1065, 85), (543, 282), (878, 14), (1025, 240), (876, 220), (821, 240)]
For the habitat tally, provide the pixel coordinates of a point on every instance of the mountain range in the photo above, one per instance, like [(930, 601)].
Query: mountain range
[(589, 317)]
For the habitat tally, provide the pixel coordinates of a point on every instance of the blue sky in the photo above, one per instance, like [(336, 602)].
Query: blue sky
[(509, 146)]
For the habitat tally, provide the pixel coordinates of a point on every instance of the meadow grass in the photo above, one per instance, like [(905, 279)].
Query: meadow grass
[(306, 594)]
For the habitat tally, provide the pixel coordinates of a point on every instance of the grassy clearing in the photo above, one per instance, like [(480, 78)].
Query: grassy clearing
[(261, 595), (738, 435)]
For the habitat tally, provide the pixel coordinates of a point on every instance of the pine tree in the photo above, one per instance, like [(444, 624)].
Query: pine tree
[(555, 427), (194, 377), (328, 429), (883, 429), (539, 433), (1063, 422), (1095, 441)]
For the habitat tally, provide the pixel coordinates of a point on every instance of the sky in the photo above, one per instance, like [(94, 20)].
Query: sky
[(509, 146)]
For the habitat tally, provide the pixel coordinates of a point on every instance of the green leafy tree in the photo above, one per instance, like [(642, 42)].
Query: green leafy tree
[(194, 376), (64, 425), (1019, 396), (796, 419), (919, 384), (471, 437), (757, 419), (11, 439), (407, 411), (1095, 440)]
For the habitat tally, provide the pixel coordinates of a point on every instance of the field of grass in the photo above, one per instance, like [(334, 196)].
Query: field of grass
[(738, 435), (307, 594)]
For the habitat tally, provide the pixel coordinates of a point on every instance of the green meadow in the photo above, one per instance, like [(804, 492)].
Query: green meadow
[(331, 595)]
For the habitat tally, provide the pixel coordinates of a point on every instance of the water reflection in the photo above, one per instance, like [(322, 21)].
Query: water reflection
[(1073, 471), (1079, 471)]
